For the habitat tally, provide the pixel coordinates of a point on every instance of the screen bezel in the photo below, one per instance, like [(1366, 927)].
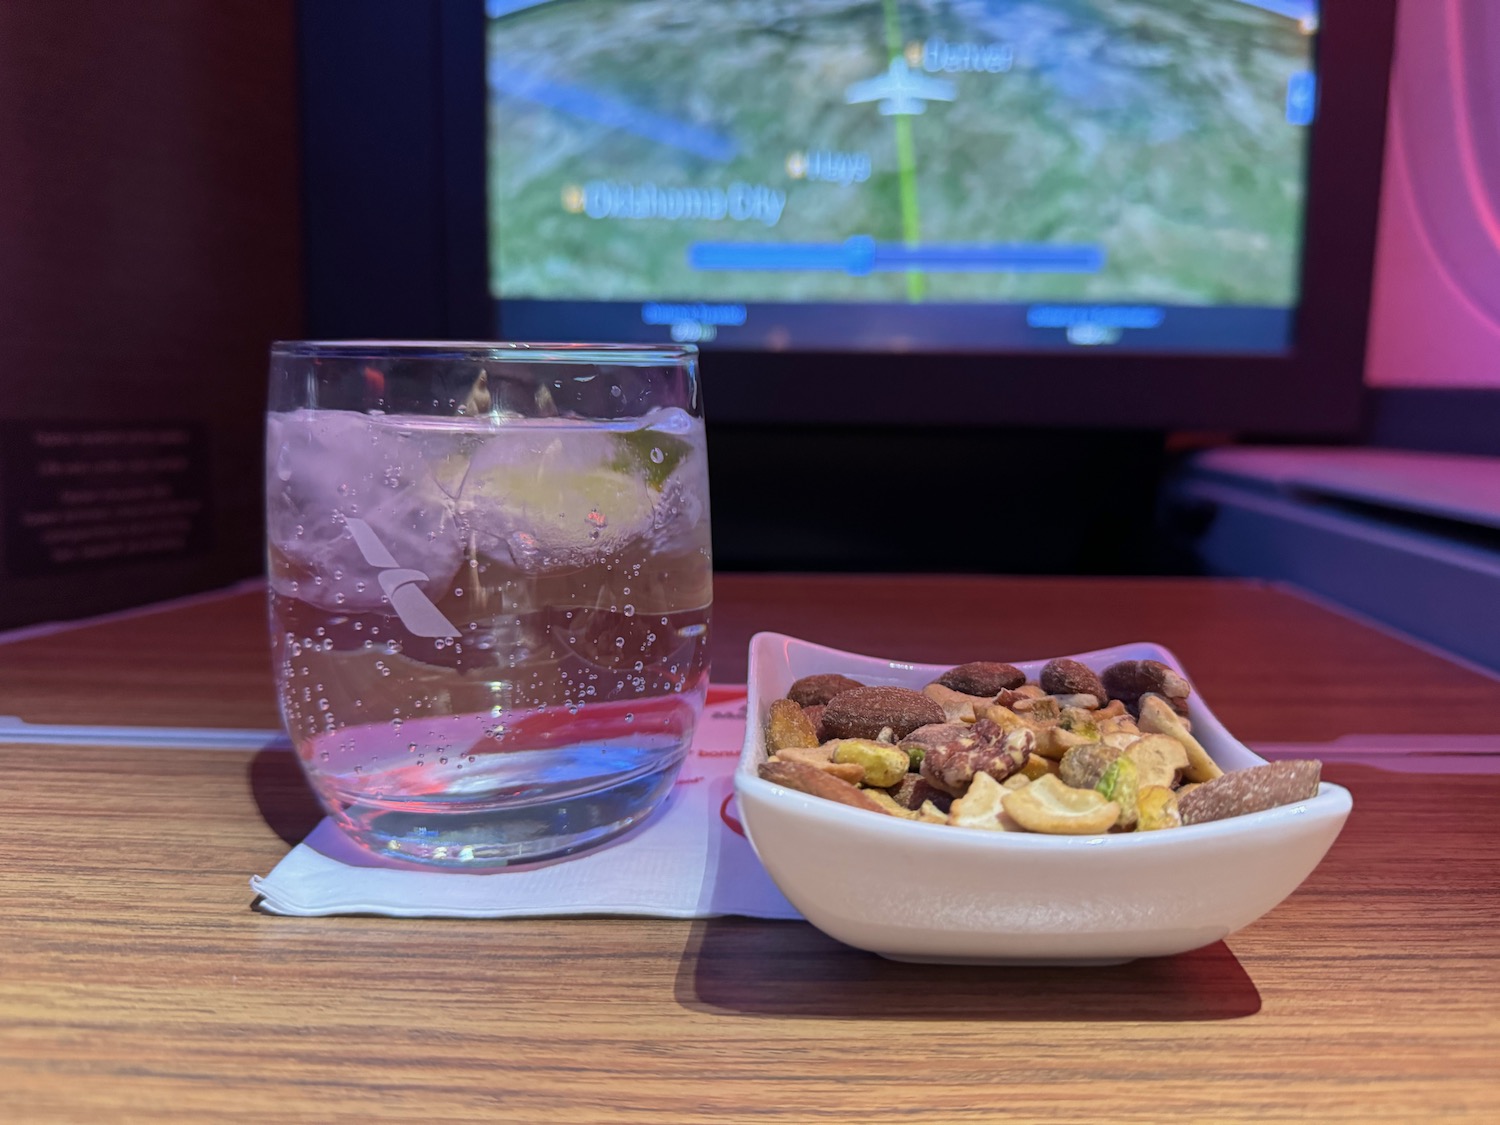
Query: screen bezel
[(1314, 389)]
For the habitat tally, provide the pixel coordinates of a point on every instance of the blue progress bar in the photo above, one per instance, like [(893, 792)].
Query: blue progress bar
[(863, 255)]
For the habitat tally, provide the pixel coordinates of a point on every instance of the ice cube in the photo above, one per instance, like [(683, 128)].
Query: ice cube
[(333, 465)]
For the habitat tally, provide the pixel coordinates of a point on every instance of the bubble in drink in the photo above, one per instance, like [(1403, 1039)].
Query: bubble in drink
[(494, 556)]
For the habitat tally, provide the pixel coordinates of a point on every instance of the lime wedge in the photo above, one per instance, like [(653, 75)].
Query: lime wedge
[(649, 454)]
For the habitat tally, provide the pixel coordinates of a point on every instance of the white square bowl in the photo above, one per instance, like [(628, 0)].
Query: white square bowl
[(927, 892)]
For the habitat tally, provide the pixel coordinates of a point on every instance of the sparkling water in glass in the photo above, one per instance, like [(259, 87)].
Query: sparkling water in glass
[(490, 581)]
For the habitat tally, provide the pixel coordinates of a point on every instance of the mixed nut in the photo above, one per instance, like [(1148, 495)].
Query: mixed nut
[(1074, 753)]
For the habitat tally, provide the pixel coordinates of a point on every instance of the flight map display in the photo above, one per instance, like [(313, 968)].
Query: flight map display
[(915, 174)]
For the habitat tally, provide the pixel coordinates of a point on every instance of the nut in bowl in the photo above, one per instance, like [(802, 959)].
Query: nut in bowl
[(1024, 841)]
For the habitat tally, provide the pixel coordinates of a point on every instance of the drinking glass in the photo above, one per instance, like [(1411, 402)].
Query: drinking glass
[(490, 584)]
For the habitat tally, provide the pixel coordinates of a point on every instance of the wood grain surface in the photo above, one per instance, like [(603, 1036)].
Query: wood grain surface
[(138, 983), (1275, 665)]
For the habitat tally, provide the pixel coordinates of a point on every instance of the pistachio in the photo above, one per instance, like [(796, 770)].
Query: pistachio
[(1047, 805), (788, 726), (1047, 721), (883, 764), (1120, 784), (1080, 721), (1083, 766), (1156, 808), (1027, 759), (1157, 717)]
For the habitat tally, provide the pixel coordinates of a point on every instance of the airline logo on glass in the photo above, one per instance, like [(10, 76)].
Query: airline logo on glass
[(399, 584)]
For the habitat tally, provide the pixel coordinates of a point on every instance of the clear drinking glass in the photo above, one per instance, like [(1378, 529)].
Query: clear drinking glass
[(490, 582)]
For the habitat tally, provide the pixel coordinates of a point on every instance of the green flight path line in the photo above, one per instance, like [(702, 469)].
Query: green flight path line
[(906, 161)]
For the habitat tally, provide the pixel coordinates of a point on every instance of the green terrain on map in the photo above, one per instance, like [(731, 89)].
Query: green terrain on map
[(1155, 129)]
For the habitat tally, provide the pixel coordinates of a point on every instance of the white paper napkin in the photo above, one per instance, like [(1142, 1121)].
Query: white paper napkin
[(690, 860)]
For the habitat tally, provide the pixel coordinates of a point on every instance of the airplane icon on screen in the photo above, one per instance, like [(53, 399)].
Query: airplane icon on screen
[(899, 91)]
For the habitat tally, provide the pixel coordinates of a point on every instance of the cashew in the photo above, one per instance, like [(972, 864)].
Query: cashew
[(852, 772), (1156, 807), (1114, 724), (1016, 781), (1157, 717), (1054, 742), (1002, 717), (1042, 716), (1157, 757), (1081, 700), (931, 814), (884, 765), (1118, 731), (812, 755), (1047, 805), (1042, 708), (980, 806), (957, 707)]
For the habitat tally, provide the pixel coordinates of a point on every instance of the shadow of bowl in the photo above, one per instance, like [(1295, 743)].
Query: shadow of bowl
[(742, 967)]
